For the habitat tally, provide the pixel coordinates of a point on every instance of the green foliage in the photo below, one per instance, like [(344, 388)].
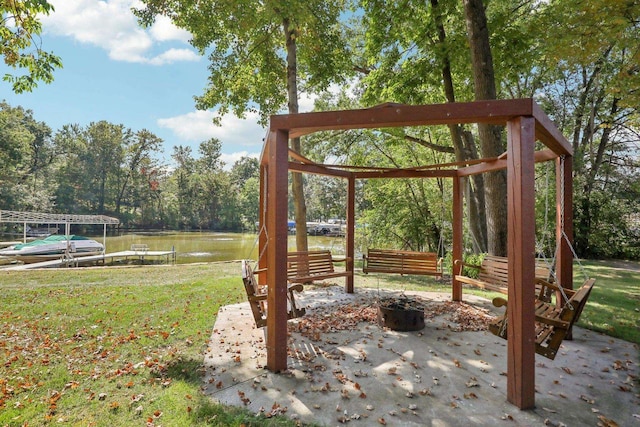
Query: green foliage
[(582, 69), (246, 44), (20, 29), (26, 152)]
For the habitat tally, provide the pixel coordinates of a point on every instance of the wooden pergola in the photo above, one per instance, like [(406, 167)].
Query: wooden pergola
[(525, 122)]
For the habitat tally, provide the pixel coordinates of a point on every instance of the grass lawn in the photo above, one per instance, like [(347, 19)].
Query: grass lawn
[(112, 346), (124, 346)]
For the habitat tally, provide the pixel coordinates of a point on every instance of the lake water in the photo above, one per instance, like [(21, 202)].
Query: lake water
[(193, 247)]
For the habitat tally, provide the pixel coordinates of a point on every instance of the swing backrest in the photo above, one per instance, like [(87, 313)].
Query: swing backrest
[(572, 310)]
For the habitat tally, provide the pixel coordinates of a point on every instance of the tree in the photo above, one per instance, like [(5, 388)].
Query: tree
[(104, 154), (212, 185), (490, 135), (26, 152), (137, 163), (417, 53), (184, 194), (244, 169), (20, 30), (245, 180), (261, 52), (592, 48)]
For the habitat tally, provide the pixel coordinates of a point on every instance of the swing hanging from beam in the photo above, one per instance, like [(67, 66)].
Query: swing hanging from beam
[(553, 321), (406, 262), (257, 292)]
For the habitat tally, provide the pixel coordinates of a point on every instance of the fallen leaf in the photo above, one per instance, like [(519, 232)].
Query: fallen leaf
[(606, 422)]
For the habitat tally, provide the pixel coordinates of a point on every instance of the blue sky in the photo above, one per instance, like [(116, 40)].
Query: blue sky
[(141, 78)]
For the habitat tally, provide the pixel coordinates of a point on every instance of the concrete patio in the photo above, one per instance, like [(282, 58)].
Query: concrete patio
[(362, 374)]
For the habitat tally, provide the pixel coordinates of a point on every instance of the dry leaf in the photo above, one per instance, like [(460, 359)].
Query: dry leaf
[(606, 422)]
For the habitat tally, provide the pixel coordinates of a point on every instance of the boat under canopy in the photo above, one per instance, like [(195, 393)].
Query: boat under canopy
[(53, 247)]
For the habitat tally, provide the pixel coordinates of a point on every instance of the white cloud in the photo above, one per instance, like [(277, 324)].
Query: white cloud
[(164, 30), (174, 55), (230, 159), (112, 26), (197, 126)]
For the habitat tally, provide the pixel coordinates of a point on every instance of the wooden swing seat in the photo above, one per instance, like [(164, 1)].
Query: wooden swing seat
[(401, 262), (493, 273), (257, 296), (310, 266), (552, 323)]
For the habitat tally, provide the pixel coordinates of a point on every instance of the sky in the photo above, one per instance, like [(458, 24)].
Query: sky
[(114, 70)]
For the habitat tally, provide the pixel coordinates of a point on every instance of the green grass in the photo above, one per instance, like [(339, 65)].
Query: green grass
[(113, 347), (614, 304), (124, 346)]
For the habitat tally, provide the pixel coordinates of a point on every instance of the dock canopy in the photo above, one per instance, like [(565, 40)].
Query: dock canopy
[(26, 218), (50, 218)]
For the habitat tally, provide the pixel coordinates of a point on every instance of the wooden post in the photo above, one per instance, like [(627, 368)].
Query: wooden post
[(457, 236), (262, 218), (564, 226), (564, 215), (277, 231), (350, 236), (521, 253)]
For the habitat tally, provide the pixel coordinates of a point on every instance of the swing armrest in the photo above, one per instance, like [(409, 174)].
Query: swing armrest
[(464, 264), (499, 302), (544, 285)]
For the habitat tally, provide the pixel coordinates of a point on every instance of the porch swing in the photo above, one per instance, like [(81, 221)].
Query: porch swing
[(492, 274), (553, 321), (257, 293), (302, 267), (403, 262)]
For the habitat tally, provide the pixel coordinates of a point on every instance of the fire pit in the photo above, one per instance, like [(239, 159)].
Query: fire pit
[(401, 314)]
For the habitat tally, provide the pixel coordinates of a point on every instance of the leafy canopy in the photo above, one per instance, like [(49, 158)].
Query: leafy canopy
[(246, 44), (20, 44)]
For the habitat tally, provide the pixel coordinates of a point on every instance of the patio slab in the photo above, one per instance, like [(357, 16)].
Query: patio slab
[(438, 376)]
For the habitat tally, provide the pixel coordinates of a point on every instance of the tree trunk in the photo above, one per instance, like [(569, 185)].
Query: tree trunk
[(477, 200), (475, 197), (297, 188), (490, 135)]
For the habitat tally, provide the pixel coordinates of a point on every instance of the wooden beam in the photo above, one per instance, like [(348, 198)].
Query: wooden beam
[(350, 237), (277, 232), (393, 115), (549, 134), (501, 163), (264, 155), (521, 253), (299, 157), (406, 173), (318, 170)]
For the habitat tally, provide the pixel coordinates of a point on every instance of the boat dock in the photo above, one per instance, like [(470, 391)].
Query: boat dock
[(170, 257)]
